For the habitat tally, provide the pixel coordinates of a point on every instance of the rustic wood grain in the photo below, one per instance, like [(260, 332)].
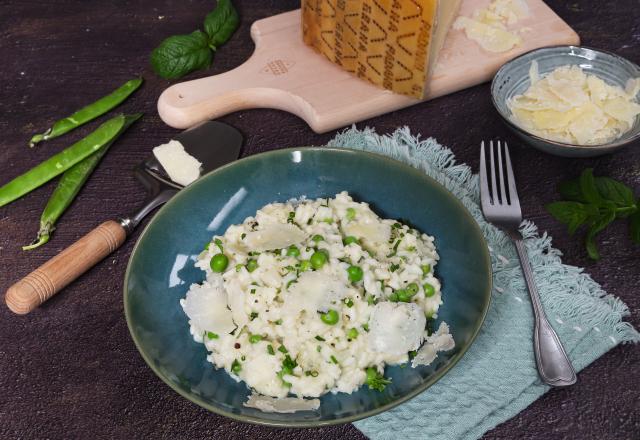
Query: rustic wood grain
[(70, 370)]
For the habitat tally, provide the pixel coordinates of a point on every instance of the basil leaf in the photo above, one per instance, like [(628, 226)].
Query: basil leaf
[(220, 23), (588, 187), (615, 191), (180, 54), (573, 214), (598, 225), (634, 227), (570, 190)]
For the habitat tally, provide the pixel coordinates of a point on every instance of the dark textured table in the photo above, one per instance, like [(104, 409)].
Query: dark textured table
[(70, 369)]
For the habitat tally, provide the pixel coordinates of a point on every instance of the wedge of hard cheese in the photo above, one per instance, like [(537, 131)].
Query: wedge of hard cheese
[(390, 43)]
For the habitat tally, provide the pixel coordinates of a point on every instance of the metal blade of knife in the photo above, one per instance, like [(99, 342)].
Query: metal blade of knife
[(213, 143)]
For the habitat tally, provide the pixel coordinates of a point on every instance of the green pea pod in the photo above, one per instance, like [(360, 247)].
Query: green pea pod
[(68, 188), (61, 162), (88, 113)]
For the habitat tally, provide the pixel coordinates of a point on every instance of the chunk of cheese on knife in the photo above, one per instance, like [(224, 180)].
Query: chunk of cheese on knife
[(181, 167), (393, 44)]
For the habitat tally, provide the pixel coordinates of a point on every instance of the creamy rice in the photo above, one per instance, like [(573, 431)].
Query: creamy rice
[(282, 322)]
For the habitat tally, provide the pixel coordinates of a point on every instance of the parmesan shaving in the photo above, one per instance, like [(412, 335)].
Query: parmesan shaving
[(396, 328), (206, 307), (274, 236), (281, 405), (489, 27), (441, 340), (571, 106)]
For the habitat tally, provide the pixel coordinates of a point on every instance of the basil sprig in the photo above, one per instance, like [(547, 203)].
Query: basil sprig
[(181, 54), (595, 202)]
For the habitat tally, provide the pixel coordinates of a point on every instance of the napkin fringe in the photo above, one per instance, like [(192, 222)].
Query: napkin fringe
[(583, 300)]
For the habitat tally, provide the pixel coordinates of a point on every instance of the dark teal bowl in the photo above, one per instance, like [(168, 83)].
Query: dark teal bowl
[(161, 270)]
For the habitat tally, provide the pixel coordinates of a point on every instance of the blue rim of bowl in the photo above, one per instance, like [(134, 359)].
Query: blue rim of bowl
[(610, 145), (316, 423)]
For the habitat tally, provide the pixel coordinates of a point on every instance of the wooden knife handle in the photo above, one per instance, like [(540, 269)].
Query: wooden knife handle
[(55, 274)]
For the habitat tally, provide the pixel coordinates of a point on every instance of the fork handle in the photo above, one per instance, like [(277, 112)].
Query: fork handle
[(554, 366)]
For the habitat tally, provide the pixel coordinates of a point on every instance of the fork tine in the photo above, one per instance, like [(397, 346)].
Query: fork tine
[(484, 185), (494, 189), (503, 191), (513, 192)]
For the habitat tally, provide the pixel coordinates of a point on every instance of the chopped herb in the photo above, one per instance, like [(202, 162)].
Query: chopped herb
[(270, 350), (252, 265), (283, 349), (426, 268), (352, 333), (206, 246), (348, 302), (238, 267), (309, 221), (411, 249), (278, 322), (253, 291), (412, 354), (212, 335), (375, 380), (395, 249), (328, 220), (334, 360), (242, 236), (236, 367), (394, 267), (372, 300), (218, 243), (318, 348), (365, 327), (291, 282), (320, 338), (288, 365), (312, 373), (253, 316), (254, 339), (351, 214)]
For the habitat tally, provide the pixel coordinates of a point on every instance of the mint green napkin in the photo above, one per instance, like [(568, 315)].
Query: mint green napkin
[(497, 378)]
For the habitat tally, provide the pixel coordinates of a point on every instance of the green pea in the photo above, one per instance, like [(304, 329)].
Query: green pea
[(236, 367), (305, 265), (412, 288), (317, 238), (293, 251), (403, 295), (355, 273), (426, 268), (351, 213), (318, 259), (219, 263), (252, 265), (350, 239), (254, 339), (352, 333), (429, 290), (330, 318)]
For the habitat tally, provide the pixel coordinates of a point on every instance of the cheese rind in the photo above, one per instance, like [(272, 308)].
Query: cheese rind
[(389, 43)]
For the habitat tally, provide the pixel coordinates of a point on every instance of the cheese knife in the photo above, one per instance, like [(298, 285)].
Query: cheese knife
[(212, 143)]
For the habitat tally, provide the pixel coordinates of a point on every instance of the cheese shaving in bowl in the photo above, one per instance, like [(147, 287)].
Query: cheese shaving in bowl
[(317, 296), (570, 106)]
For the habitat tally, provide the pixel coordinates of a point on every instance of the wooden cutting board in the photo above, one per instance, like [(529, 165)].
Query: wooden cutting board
[(283, 73)]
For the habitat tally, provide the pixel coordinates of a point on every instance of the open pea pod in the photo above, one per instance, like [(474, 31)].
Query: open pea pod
[(61, 162), (69, 186)]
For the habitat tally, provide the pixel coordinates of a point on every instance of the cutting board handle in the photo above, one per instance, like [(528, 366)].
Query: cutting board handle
[(248, 86), (55, 274)]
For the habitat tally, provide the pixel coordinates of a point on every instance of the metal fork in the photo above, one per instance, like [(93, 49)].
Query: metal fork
[(501, 206)]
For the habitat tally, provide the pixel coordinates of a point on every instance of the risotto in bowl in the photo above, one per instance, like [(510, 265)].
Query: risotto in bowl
[(298, 288)]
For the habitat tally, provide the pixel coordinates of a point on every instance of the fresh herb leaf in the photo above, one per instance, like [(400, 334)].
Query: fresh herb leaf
[(220, 23), (570, 190), (618, 193), (634, 226), (180, 54), (598, 225), (588, 187), (375, 380), (572, 214)]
